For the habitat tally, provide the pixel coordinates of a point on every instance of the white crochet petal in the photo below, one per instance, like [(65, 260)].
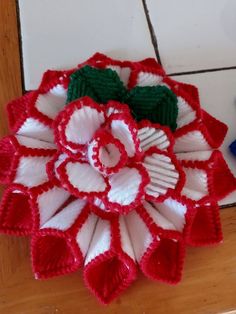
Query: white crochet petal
[(141, 237), (158, 218), (66, 217), (101, 240), (162, 173), (121, 130), (126, 244), (150, 136), (124, 186), (49, 202), (148, 79), (84, 236), (31, 171), (201, 156), (186, 114), (196, 185), (174, 211), (192, 141), (84, 177), (36, 129), (82, 124), (52, 102), (34, 143)]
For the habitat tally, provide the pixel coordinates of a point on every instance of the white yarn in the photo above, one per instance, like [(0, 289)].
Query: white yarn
[(31, 171), (49, 202), (185, 113), (201, 156), (121, 131), (140, 236), (66, 217), (149, 137), (84, 236), (148, 79), (124, 186), (173, 211), (34, 143), (82, 124), (196, 183), (162, 173), (35, 129), (158, 218), (192, 141), (126, 244), (52, 102), (84, 177), (101, 240)]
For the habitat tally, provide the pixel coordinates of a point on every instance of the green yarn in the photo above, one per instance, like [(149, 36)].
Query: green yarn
[(101, 85), (157, 104)]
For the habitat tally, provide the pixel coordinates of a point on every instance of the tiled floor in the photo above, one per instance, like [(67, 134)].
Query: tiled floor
[(188, 36)]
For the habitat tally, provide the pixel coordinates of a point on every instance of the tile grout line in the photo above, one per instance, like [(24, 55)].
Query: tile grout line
[(151, 30), (20, 47), (202, 71)]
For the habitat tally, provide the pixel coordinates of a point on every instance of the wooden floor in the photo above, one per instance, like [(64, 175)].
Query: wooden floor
[(209, 281)]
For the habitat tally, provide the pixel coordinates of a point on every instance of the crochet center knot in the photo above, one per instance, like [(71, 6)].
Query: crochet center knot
[(106, 153)]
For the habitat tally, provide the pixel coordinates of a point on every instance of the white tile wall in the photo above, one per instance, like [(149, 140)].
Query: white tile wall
[(194, 34), (191, 35), (218, 96), (63, 33)]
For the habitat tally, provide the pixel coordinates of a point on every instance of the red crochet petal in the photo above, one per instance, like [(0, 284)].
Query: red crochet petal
[(17, 111), (15, 211), (205, 227), (23, 160), (146, 73), (124, 128), (52, 78), (100, 209), (76, 125), (200, 135), (127, 189), (122, 68), (54, 253), (109, 267), (141, 73), (22, 121), (212, 163), (158, 247), (81, 179), (61, 244), (47, 199), (166, 176), (188, 103), (153, 134), (51, 96), (163, 260)]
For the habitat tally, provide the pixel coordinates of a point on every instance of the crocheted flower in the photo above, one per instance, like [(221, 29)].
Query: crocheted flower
[(110, 166)]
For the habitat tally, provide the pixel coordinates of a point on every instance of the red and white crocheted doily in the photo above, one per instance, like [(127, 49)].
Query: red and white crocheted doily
[(112, 166)]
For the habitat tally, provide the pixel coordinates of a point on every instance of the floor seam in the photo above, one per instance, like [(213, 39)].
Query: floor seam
[(152, 32)]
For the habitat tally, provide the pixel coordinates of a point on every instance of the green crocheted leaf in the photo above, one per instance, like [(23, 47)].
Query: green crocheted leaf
[(101, 85), (155, 103)]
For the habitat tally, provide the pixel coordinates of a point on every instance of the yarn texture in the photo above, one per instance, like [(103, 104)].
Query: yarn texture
[(112, 167)]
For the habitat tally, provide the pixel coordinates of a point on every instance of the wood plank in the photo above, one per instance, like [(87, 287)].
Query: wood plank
[(209, 281), (10, 78), (208, 286)]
